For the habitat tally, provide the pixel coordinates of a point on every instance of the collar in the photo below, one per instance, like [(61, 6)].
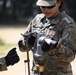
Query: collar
[(53, 20)]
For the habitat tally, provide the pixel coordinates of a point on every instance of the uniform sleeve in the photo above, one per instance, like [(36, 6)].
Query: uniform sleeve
[(3, 66), (22, 42), (31, 24), (66, 52)]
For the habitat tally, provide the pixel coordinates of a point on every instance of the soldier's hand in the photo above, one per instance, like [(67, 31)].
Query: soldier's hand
[(48, 44), (22, 42), (31, 40), (12, 57)]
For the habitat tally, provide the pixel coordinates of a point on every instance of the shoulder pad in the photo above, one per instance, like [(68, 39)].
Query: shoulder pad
[(65, 18), (40, 16), (68, 19)]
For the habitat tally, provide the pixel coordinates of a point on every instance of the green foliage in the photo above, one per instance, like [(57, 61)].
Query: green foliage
[(5, 48), (2, 42)]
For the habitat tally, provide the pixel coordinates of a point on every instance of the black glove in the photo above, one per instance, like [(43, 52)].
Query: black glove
[(12, 57), (48, 44), (22, 42), (31, 40)]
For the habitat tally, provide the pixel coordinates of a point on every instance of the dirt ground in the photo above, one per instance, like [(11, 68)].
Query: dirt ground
[(12, 35)]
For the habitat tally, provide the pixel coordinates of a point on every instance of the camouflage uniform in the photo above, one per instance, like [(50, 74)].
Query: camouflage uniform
[(62, 27), (3, 66)]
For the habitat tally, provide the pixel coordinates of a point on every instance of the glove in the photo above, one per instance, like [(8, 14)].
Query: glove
[(48, 44), (31, 40), (22, 42), (12, 57)]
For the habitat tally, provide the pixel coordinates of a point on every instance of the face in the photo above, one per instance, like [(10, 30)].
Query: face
[(51, 11)]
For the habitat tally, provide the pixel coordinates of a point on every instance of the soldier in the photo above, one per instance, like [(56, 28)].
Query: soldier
[(10, 59), (52, 39)]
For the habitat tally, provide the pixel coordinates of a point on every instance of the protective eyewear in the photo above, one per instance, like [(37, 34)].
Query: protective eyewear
[(48, 7)]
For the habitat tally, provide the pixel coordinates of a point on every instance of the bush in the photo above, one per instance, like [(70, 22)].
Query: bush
[(2, 42)]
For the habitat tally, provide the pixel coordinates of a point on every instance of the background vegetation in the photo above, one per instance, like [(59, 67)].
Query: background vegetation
[(21, 11), (4, 47)]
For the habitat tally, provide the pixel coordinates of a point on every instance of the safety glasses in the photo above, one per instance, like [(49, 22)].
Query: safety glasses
[(48, 7)]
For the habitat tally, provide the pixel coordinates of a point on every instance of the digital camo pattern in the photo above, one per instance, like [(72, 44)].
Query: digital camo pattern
[(61, 27), (3, 66)]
